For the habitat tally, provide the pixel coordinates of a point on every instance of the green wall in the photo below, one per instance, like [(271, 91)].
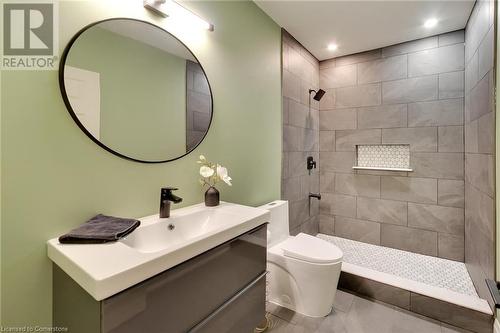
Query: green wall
[(143, 94), (54, 177)]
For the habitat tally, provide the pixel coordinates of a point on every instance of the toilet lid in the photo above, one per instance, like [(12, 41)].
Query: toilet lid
[(312, 249)]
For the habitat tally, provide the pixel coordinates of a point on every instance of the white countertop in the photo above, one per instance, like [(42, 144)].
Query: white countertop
[(106, 269)]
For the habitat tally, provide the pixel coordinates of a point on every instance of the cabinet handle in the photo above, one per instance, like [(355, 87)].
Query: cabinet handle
[(226, 304)]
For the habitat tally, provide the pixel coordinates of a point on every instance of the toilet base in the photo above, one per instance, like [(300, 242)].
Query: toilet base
[(306, 288)]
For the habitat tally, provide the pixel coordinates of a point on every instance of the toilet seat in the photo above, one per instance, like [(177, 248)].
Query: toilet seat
[(311, 249)]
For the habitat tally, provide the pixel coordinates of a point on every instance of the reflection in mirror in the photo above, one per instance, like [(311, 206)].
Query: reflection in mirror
[(136, 90)]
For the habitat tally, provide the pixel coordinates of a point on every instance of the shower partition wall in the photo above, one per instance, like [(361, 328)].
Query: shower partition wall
[(300, 135)]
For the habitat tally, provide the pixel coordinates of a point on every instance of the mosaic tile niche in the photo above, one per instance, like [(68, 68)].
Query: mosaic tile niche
[(383, 156)]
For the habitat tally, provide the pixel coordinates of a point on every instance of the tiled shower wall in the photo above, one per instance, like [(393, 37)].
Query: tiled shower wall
[(410, 93), (480, 146), (198, 104), (300, 135)]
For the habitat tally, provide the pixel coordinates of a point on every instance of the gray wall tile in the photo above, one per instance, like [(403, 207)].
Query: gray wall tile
[(297, 163), (480, 100), (451, 193), (308, 139), (379, 210), (451, 85), (436, 218), (437, 165), (326, 140), (421, 190), (363, 185), (291, 137), (385, 69), (326, 224), (335, 77), (420, 139), (436, 113), (290, 188), (412, 46), (364, 95), (486, 134), (285, 110), (339, 204), (360, 230), (410, 90), (486, 53), (471, 137), (346, 140), (453, 37), (451, 139), (481, 172), (327, 63), (284, 165), (384, 116), (471, 73), (328, 100), (337, 119), (408, 239), (299, 212), (358, 57), (439, 60), (337, 161), (451, 246), (327, 181), (479, 230), (299, 115), (291, 86), (426, 112)]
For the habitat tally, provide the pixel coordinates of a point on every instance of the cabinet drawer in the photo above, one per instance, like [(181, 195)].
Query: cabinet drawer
[(177, 299), (242, 313)]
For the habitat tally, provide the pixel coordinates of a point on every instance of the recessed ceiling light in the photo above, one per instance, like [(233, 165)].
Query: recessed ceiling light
[(431, 23), (332, 47)]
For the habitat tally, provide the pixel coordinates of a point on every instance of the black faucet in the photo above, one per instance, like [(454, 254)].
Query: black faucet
[(166, 198)]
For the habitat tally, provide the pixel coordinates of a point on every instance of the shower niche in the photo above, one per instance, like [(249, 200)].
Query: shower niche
[(392, 157)]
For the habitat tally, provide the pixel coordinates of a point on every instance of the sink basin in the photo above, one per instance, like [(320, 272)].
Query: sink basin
[(177, 229), (156, 245)]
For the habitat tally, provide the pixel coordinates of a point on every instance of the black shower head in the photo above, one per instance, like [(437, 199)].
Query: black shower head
[(318, 94)]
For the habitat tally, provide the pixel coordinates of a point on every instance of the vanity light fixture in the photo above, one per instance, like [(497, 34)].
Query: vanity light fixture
[(430, 23), (171, 9)]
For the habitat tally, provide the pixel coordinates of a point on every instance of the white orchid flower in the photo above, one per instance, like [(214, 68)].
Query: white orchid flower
[(222, 173), (206, 171)]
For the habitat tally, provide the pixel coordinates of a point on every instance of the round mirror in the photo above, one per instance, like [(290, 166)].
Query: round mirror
[(136, 90)]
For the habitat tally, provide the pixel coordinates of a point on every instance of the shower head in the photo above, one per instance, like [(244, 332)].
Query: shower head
[(317, 94)]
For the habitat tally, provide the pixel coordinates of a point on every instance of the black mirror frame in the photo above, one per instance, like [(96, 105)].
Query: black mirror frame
[(73, 115)]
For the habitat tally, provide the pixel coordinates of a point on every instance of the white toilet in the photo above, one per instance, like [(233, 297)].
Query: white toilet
[(303, 270)]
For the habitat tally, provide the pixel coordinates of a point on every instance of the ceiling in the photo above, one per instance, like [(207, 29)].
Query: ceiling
[(357, 26), (148, 34)]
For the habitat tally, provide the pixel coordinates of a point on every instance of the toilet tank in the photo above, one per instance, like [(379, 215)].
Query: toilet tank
[(278, 228)]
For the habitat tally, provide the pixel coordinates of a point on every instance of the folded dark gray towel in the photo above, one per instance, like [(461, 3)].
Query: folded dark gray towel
[(100, 229)]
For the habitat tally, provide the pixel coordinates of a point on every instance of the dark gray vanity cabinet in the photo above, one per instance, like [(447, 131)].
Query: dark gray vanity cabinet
[(221, 290)]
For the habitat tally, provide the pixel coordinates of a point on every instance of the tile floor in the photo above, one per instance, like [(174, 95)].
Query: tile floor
[(353, 314)]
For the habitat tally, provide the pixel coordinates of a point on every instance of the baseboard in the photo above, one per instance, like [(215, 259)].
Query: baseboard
[(496, 326)]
